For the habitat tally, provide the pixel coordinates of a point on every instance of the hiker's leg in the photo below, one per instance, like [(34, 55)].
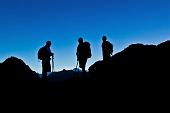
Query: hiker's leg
[(44, 75), (106, 58), (44, 70), (83, 69), (84, 64)]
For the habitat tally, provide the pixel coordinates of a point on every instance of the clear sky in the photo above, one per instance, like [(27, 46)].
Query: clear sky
[(25, 26)]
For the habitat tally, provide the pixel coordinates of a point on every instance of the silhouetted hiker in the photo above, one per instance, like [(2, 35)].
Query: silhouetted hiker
[(83, 53), (45, 54), (107, 49)]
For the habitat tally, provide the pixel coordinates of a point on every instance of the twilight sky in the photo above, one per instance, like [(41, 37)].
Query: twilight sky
[(25, 26)]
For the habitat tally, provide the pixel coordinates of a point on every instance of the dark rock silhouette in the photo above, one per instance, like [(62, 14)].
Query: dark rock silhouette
[(68, 83), (63, 75), (15, 69), (18, 80), (138, 73), (137, 59)]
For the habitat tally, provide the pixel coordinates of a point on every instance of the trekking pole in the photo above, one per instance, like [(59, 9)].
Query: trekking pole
[(52, 63), (76, 69), (76, 64)]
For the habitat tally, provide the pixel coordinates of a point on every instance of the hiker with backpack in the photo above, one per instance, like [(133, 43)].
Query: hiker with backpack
[(83, 53), (107, 49), (45, 54)]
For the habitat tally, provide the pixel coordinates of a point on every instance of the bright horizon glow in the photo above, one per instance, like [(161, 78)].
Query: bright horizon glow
[(27, 24)]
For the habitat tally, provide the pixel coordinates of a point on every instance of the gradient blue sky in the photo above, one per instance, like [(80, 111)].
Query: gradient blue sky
[(25, 26)]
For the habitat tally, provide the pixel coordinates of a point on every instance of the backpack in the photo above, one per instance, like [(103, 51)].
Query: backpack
[(41, 53), (87, 49), (110, 48)]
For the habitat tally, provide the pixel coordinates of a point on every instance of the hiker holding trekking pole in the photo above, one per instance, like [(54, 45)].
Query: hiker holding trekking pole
[(83, 53), (45, 54), (53, 63)]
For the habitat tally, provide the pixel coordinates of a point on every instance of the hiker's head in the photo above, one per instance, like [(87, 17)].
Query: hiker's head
[(104, 38), (80, 40), (48, 43)]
